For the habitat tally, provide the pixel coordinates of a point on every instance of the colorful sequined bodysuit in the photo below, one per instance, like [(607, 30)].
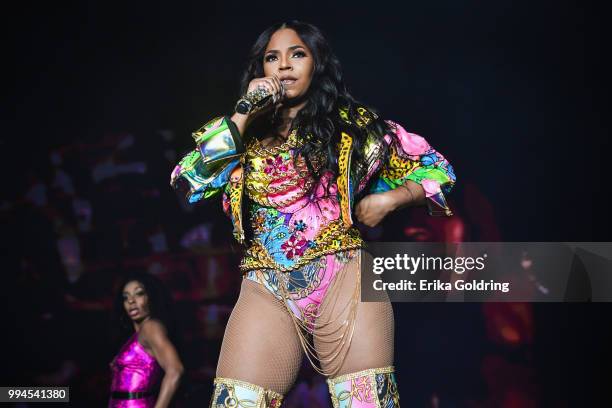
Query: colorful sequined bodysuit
[(135, 374), (294, 218), (300, 242), (303, 229)]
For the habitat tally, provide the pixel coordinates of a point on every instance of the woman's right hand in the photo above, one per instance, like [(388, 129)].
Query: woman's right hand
[(273, 85)]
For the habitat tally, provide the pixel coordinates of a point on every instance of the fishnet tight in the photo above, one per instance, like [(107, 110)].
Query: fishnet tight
[(261, 344)]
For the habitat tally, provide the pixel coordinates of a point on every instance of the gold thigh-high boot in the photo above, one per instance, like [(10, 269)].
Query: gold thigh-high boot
[(230, 393), (375, 387)]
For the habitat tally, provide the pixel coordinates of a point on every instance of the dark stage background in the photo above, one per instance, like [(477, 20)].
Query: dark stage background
[(514, 94)]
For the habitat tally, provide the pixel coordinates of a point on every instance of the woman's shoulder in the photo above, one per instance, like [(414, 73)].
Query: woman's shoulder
[(150, 329)]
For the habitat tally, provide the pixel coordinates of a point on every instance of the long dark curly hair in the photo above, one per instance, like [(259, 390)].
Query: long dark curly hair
[(160, 304), (318, 122)]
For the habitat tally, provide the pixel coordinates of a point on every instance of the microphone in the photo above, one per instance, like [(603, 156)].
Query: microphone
[(257, 99)]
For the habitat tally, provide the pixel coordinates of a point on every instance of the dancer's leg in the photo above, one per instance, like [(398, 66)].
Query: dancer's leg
[(372, 340), (364, 371), (260, 345)]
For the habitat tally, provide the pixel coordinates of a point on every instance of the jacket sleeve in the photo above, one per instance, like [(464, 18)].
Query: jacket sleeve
[(207, 168), (412, 158)]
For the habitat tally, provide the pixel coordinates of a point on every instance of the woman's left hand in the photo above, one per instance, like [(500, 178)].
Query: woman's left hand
[(374, 207)]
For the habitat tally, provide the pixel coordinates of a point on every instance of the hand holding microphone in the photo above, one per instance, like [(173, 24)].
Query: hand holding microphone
[(262, 92)]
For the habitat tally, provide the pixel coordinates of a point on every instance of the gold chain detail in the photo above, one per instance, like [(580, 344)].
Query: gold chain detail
[(258, 182), (259, 150), (316, 328)]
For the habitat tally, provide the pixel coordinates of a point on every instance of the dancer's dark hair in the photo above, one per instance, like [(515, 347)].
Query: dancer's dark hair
[(160, 304)]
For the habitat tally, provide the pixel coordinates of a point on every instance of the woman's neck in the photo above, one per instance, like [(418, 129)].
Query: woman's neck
[(285, 116), (138, 324)]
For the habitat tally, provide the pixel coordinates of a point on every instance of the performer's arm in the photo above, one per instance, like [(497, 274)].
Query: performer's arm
[(374, 207), (273, 85), (153, 335), (241, 121), (416, 174), (410, 194)]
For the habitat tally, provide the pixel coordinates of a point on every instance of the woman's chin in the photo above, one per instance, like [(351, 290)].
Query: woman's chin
[(292, 98), (138, 318)]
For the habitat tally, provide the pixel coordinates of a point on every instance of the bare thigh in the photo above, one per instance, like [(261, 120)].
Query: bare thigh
[(372, 341), (261, 345)]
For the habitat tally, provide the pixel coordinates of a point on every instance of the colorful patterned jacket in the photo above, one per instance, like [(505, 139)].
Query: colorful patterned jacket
[(216, 166)]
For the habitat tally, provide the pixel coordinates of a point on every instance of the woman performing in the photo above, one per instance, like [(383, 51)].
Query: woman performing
[(295, 156), (148, 355)]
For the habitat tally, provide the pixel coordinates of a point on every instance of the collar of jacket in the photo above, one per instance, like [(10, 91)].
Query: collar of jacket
[(349, 176)]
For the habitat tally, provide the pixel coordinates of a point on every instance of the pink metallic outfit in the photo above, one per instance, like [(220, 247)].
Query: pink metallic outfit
[(135, 374)]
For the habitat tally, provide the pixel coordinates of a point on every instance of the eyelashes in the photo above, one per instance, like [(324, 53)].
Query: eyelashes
[(272, 57)]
